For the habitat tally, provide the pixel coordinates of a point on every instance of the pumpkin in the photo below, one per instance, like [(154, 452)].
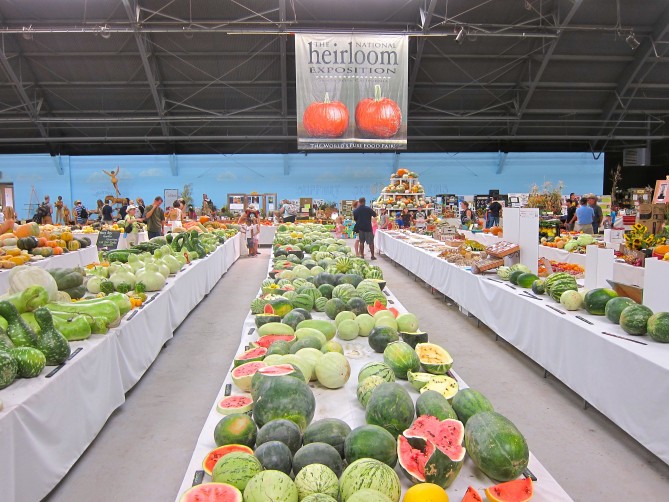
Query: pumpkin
[(12, 251), (42, 251), (26, 243), (73, 245), (4, 237), (57, 250), (51, 244), (41, 241), (61, 243), (328, 119), (6, 226), (378, 117), (204, 219), (660, 251), (10, 242), (66, 236), (402, 172), (27, 230)]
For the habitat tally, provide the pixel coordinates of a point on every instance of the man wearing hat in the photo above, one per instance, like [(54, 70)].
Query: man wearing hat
[(599, 215), (81, 214), (131, 232)]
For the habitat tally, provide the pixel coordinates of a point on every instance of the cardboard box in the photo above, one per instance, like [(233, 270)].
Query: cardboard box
[(614, 236)]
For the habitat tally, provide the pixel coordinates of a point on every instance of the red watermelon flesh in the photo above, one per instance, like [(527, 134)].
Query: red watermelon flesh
[(518, 490), (378, 306), (268, 309), (234, 404), (212, 492), (268, 340), (277, 370), (413, 460), (447, 435), (254, 354), (471, 495), (214, 455), (247, 369)]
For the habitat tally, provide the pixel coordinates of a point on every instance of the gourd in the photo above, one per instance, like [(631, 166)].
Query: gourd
[(123, 276), (27, 230), (151, 277), (42, 251), (17, 330), (26, 243), (67, 278), (21, 278), (73, 245), (9, 241), (66, 236), (50, 341), (29, 299), (172, 263), (99, 307), (93, 284)]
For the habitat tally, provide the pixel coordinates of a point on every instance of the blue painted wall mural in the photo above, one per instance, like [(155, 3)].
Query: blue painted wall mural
[(331, 177)]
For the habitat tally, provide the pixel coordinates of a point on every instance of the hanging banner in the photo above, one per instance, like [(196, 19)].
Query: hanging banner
[(351, 91)]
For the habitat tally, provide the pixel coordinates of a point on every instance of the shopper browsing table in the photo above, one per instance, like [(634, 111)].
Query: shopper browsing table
[(131, 232), (106, 213), (494, 210), (599, 215), (584, 217), (155, 218), (572, 205), (363, 219)]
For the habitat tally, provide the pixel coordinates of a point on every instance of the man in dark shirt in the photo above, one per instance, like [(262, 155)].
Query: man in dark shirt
[(107, 212), (363, 217), (495, 208), (572, 205)]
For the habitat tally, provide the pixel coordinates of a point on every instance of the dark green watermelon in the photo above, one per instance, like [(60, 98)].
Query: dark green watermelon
[(357, 305), (634, 319), (434, 404), (318, 453), (275, 456), (658, 327), (284, 397), (371, 441), (331, 431), (469, 402), (596, 299), (380, 337), (615, 306), (292, 319), (282, 430), (390, 407)]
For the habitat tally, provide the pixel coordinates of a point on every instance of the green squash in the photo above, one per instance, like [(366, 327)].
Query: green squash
[(67, 278), (50, 341), (17, 330)]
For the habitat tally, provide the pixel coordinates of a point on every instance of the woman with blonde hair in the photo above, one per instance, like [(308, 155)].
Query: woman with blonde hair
[(9, 213)]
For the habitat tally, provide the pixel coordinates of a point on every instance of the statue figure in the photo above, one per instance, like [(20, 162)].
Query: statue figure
[(114, 178)]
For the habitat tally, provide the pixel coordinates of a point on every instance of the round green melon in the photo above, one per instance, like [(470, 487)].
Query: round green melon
[(496, 446), (326, 290), (615, 306), (634, 319), (236, 469), (401, 358), (343, 316), (368, 495), (380, 337), (275, 456), (281, 430), (333, 370), (526, 280), (326, 327), (331, 431), (316, 478), (236, 429), (319, 304), (390, 407), (596, 299), (284, 397), (333, 307), (369, 473), (303, 301), (348, 329), (371, 441), (357, 305), (271, 486), (658, 327), (538, 287), (513, 278), (30, 361), (434, 404), (376, 368), (366, 387), (365, 324), (318, 453), (468, 402), (332, 346)]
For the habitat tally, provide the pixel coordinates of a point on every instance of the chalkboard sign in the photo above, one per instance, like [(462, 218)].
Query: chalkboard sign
[(108, 239)]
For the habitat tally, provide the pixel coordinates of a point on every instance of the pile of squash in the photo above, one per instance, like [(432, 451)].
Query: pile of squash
[(23, 243)]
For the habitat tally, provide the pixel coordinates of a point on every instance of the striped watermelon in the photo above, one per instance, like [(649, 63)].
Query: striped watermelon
[(374, 273), (258, 305), (344, 292), (376, 368), (271, 485), (319, 304), (369, 473), (217, 453), (236, 469), (316, 478), (267, 282), (303, 301), (312, 291), (211, 491), (371, 297)]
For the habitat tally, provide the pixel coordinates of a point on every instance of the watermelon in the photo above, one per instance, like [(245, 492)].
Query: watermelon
[(276, 370), (496, 446), (596, 299), (433, 358), (254, 354), (293, 318), (371, 441), (368, 495), (333, 307), (212, 492), (316, 478), (282, 430), (513, 278), (634, 319), (571, 300), (434, 404), (419, 380), (8, 369), (445, 385), (242, 375), (366, 387), (302, 333), (258, 305), (376, 368), (326, 290), (326, 327), (401, 358), (261, 319), (284, 397), (469, 402), (318, 453), (357, 306), (658, 327), (471, 495), (390, 407), (343, 292), (374, 297), (413, 338), (369, 473), (331, 431), (615, 306), (235, 429), (303, 301), (525, 280), (439, 454), (215, 455), (271, 486), (276, 456), (538, 287), (559, 282), (268, 340), (380, 337), (275, 328), (280, 306), (305, 314), (307, 342), (236, 469), (234, 404), (30, 361), (518, 490), (319, 304), (318, 497), (280, 347), (348, 329)]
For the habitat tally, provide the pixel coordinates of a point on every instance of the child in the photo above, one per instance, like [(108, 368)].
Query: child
[(253, 232), (339, 228), (398, 220)]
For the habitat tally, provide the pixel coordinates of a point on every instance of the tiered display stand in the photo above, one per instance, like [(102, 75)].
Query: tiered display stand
[(404, 190)]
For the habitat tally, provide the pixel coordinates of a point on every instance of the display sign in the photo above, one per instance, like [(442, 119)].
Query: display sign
[(108, 239), (171, 194), (351, 91)]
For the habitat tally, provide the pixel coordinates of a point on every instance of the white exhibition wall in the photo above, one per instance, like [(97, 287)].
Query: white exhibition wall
[(328, 176)]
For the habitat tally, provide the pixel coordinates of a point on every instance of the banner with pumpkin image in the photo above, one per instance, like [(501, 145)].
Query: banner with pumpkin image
[(351, 91)]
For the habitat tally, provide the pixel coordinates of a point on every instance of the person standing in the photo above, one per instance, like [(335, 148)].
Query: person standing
[(123, 211), (289, 211), (356, 242), (48, 211), (383, 219), (131, 232), (584, 217), (363, 218), (106, 213), (80, 212), (494, 210), (59, 210), (207, 206), (421, 222), (599, 215), (406, 218), (466, 214), (9, 213), (155, 218), (572, 205), (141, 207)]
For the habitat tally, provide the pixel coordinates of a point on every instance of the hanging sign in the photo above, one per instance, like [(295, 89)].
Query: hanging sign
[(351, 91)]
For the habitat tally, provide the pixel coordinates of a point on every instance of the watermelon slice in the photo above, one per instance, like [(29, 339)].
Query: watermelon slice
[(268, 340), (254, 354), (471, 495), (234, 404), (212, 492), (241, 375), (214, 455), (268, 309), (378, 306), (518, 490)]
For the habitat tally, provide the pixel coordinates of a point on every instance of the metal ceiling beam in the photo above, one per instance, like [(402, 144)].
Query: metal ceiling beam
[(420, 45), (546, 59), (629, 75), (284, 64), (144, 46), (501, 161)]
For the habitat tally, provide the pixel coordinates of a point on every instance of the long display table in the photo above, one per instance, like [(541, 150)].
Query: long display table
[(625, 379), (343, 404), (48, 422)]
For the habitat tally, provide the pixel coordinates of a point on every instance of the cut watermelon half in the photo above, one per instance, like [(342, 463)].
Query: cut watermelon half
[(212, 492), (241, 375), (214, 455), (277, 370), (518, 490), (234, 404), (378, 306), (254, 354), (268, 340), (471, 495), (268, 309)]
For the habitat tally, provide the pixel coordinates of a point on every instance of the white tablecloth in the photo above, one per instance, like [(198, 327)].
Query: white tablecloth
[(123, 241), (46, 424), (79, 258), (626, 381), (343, 404), (266, 236)]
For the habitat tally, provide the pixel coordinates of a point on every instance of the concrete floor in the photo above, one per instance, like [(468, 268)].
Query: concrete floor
[(144, 449)]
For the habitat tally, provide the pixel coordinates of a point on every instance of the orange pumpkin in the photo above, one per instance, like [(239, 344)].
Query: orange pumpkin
[(661, 251), (51, 244), (204, 219), (402, 172), (57, 250), (41, 242), (27, 230)]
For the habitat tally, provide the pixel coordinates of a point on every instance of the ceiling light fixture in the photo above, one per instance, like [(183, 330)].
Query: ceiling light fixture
[(104, 32), (460, 36), (632, 41), (28, 32)]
